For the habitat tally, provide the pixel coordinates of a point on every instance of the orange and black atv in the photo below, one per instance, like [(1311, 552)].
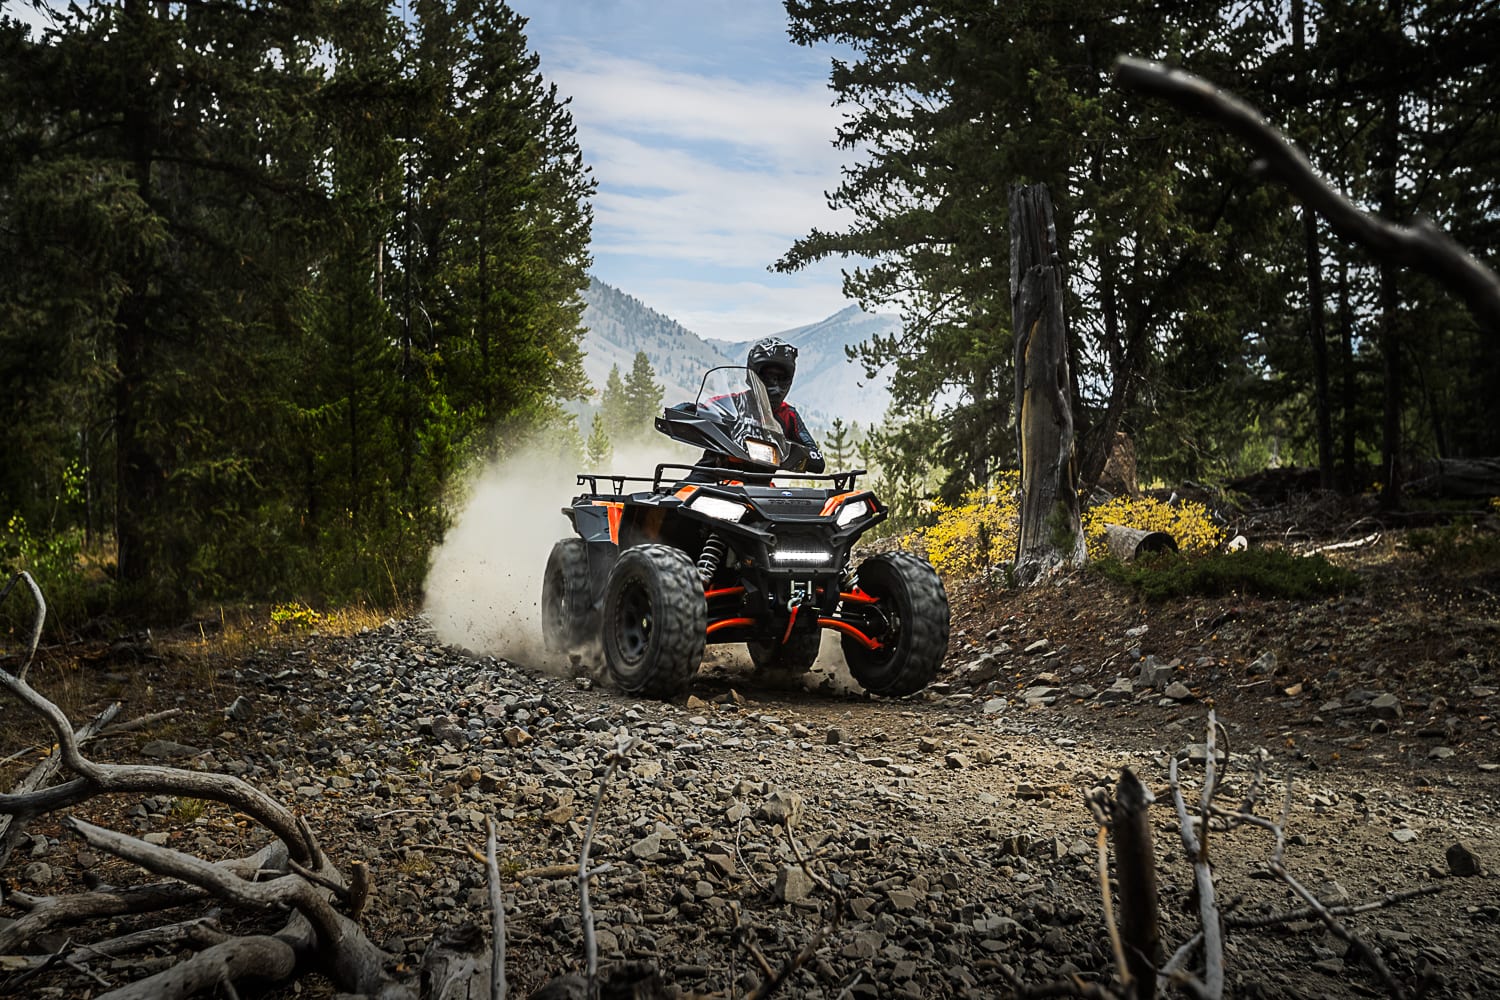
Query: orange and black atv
[(718, 552)]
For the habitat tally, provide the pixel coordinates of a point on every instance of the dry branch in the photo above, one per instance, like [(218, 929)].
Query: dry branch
[(1421, 246), (12, 824)]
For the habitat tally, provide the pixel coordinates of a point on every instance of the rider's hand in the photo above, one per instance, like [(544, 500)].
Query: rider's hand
[(796, 457)]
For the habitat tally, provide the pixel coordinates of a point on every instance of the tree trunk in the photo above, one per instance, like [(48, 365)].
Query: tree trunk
[(138, 478), (1051, 536), (1389, 151), (1315, 335)]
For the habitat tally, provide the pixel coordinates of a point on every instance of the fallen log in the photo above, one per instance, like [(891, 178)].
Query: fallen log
[(1126, 544)]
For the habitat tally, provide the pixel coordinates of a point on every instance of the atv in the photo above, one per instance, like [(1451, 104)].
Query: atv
[(717, 552)]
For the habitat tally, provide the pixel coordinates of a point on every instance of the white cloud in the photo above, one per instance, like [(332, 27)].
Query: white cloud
[(701, 170), (789, 125)]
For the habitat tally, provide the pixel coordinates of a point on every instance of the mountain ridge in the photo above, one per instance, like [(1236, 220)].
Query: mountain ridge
[(828, 385)]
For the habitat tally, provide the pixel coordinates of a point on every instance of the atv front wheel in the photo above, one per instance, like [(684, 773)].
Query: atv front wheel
[(655, 620), (912, 598), (569, 620), (795, 656)]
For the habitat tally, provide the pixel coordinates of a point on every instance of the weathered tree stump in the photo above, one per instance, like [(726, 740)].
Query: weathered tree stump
[(1051, 535)]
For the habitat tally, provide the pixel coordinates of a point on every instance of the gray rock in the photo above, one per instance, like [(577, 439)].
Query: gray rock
[(1403, 835), (781, 808), (39, 873), (1178, 691), (1263, 665), (647, 847), (1463, 862), (1385, 706), (1153, 673), (793, 884), (167, 750)]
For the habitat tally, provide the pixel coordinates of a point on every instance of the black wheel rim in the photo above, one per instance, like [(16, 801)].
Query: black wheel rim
[(635, 622)]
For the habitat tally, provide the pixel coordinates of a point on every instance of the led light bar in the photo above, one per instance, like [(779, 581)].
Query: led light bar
[(801, 557)]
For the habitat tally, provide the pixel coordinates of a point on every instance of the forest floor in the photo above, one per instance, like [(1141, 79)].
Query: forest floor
[(948, 848)]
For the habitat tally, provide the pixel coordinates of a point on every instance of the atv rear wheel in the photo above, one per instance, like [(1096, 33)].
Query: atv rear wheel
[(915, 605), (569, 619), (795, 656), (655, 620)]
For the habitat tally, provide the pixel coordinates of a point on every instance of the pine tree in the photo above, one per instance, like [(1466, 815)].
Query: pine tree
[(1007, 96), (838, 447), (598, 450), (614, 406), (643, 396)]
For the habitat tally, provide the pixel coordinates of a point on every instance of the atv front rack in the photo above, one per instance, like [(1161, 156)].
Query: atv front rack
[(842, 481)]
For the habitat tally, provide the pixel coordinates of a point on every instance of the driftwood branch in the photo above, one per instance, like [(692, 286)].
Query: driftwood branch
[(1421, 246), (94, 778), (37, 623), (12, 824)]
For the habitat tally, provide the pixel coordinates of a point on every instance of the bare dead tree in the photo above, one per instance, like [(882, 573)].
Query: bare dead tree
[(1050, 536)]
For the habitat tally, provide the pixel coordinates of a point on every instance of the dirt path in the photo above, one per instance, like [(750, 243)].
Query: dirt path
[(948, 850)]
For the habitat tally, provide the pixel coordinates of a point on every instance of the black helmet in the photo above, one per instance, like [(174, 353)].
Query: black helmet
[(772, 351)]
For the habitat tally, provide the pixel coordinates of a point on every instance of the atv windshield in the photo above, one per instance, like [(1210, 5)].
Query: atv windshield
[(738, 395)]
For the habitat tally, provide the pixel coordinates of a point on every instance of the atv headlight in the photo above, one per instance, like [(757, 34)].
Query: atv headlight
[(760, 451), (718, 507), (851, 512)]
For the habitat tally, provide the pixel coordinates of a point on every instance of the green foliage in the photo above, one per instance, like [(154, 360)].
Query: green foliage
[(274, 277), (294, 616), (838, 445), (598, 450), (1195, 332), (54, 560), (1262, 572), (1457, 550)]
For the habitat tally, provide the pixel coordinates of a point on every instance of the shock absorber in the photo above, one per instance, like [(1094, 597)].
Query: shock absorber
[(714, 549)]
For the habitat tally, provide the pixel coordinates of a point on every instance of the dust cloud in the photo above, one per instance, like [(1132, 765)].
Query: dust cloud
[(484, 590)]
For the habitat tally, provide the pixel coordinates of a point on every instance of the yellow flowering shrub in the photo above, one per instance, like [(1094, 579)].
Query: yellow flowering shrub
[(1187, 521), (294, 615), (977, 534), (981, 532)]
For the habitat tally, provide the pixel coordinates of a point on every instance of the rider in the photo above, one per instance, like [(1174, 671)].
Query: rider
[(775, 361)]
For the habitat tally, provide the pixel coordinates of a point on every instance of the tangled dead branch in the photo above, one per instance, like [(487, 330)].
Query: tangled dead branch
[(292, 875), (1123, 821)]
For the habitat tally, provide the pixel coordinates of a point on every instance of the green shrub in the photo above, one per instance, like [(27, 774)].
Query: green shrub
[(1263, 572), (1455, 549)]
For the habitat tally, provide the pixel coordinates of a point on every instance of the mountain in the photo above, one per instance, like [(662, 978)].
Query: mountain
[(619, 325), (828, 385)]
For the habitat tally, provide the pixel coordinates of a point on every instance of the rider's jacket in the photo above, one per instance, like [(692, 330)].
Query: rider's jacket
[(795, 430)]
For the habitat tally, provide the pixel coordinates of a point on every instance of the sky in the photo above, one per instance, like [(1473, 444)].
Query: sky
[(710, 135)]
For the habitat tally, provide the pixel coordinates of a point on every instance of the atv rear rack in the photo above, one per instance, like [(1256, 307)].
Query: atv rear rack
[(840, 480)]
